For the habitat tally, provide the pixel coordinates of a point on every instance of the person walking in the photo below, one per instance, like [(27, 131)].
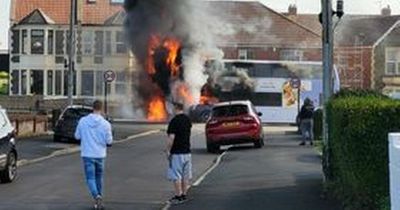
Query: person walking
[(95, 135), (306, 121), (179, 154)]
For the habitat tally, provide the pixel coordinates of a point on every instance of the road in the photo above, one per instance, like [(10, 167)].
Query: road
[(37, 147), (281, 175), (135, 178)]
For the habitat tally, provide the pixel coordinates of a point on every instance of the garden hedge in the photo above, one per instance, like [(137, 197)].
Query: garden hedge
[(359, 123)]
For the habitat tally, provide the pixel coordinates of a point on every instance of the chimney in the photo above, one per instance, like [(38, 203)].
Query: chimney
[(386, 11), (292, 10)]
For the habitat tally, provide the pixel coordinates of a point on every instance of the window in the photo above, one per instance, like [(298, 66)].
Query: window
[(267, 99), (87, 39), (120, 85), (15, 82), (120, 43), (242, 54), (117, 1), (99, 43), (108, 42), (230, 111), (60, 42), (24, 82), (99, 83), (291, 55), (36, 82), (66, 83), (37, 42), (58, 80), (393, 61), (25, 43), (50, 82), (87, 83), (50, 42), (15, 42)]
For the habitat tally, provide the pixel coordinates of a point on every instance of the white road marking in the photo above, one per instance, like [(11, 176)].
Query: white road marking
[(72, 150)]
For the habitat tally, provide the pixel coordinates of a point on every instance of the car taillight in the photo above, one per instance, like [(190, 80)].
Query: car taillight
[(249, 119), (213, 122)]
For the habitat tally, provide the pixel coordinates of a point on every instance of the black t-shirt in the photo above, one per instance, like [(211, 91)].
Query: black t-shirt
[(181, 126)]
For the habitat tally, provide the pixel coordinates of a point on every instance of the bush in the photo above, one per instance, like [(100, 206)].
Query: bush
[(359, 123), (318, 124)]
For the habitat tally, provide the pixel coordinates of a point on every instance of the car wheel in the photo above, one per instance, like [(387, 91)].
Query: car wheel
[(212, 148), (259, 143), (9, 174)]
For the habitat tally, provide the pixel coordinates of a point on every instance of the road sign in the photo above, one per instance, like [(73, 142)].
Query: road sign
[(109, 76), (295, 83)]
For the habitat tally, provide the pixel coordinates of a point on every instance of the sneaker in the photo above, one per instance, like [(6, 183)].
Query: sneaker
[(311, 143), (176, 200), (98, 205), (302, 143), (184, 198)]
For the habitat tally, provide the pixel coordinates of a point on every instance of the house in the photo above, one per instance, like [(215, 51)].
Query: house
[(251, 30), (363, 47), (39, 48), (363, 43)]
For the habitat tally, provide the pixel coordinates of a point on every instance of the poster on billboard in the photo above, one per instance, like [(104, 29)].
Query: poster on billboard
[(290, 95)]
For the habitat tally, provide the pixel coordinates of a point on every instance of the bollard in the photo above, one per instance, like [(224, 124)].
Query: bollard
[(394, 170)]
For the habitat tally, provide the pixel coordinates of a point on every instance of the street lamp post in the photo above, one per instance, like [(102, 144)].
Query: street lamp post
[(71, 53)]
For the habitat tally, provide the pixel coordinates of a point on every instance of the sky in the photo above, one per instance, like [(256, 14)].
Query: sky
[(304, 6)]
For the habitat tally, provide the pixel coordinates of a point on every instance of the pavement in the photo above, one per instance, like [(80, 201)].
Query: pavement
[(280, 176)]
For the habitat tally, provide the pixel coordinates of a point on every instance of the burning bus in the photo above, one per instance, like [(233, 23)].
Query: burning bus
[(268, 85)]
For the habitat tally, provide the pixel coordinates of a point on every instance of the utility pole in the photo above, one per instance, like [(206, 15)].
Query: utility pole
[(71, 53), (327, 54)]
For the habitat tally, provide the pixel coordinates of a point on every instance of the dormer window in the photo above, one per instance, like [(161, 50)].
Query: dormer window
[(117, 1)]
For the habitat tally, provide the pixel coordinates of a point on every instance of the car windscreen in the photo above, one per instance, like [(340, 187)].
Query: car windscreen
[(230, 111)]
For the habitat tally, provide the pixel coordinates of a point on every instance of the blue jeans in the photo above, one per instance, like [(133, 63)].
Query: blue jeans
[(94, 170)]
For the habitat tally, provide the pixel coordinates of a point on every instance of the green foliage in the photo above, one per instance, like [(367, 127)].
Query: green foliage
[(318, 124), (359, 123)]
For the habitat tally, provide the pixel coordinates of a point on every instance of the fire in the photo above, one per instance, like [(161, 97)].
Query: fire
[(154, 42), (173, 47), (184, 94), (156, 109), (169, 48)]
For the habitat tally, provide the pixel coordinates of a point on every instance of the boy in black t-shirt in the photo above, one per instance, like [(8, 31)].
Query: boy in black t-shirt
[(178, 152)]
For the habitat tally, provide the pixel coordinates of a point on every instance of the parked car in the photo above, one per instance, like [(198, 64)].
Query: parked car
[(234, 122), (8, 151), (65, 127)]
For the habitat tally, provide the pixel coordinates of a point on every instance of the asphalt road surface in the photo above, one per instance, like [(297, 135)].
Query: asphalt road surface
[(280, 176), (134, 178), (36, 147)]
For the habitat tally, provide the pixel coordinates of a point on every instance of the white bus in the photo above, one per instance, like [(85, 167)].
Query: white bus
[(275, 92)]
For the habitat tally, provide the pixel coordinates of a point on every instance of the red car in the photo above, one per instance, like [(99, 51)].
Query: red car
[(234, 122)]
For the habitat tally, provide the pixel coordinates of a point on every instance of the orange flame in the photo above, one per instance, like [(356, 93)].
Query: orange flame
[(156, 109), (172, 45), (184, 94), (154, 43)]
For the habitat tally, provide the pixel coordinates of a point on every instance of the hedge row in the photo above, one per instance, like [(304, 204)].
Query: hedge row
[(359, 123)]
